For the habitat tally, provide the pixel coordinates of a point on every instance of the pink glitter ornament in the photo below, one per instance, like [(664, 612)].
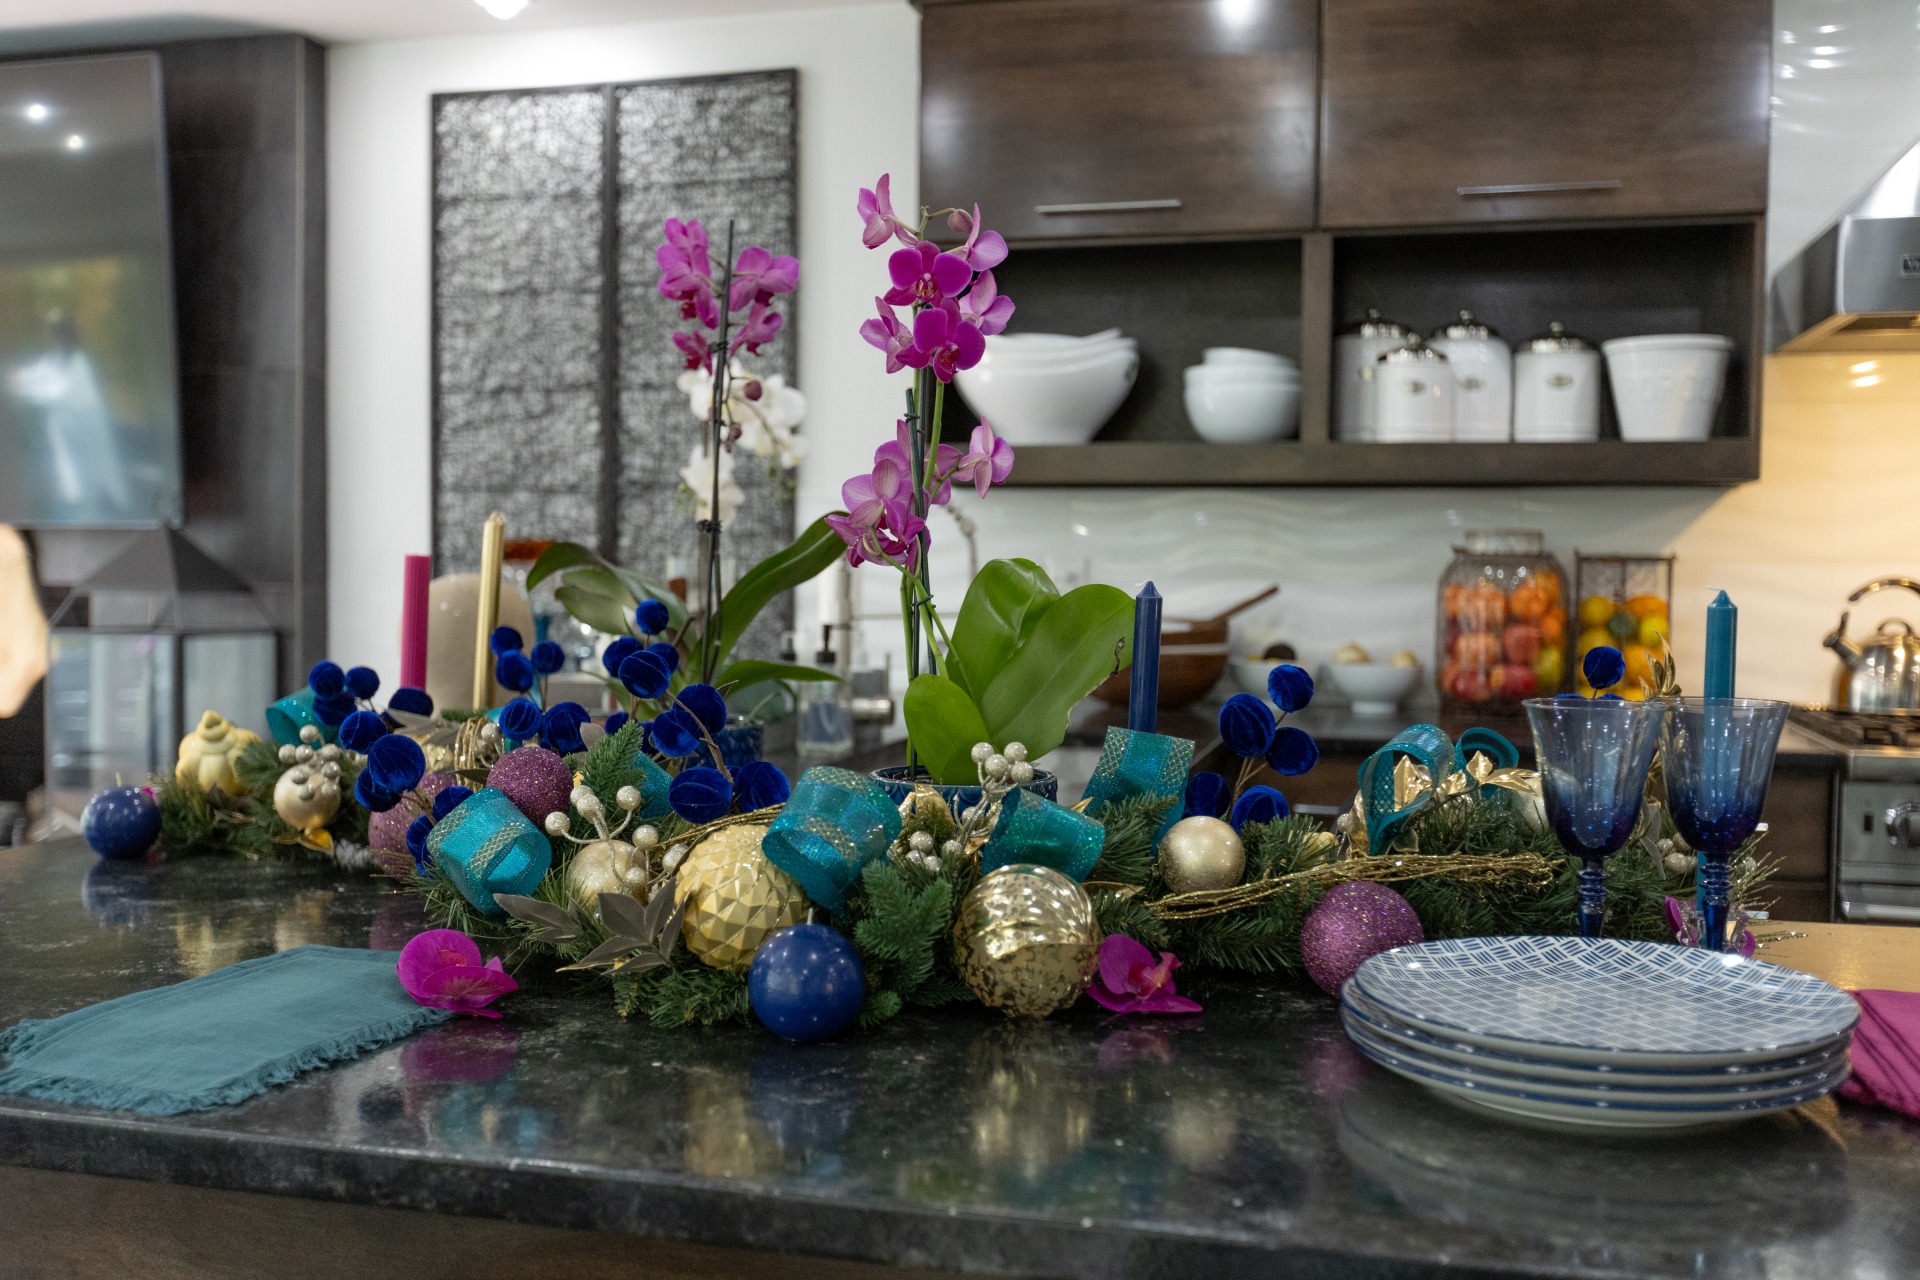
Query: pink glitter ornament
[(387, 831), (1354, 921), (535, 779)]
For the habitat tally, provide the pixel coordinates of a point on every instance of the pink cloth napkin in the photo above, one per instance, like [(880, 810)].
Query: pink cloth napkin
[(1886, 1052)]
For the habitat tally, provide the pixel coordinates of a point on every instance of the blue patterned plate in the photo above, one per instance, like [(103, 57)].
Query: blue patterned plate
[(1596, 1000)]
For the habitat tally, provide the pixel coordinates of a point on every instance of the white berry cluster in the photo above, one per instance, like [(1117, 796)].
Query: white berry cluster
[(316, 770)]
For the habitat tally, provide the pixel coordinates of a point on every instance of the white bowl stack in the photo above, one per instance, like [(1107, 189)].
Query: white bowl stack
[(1666, 386), (1050, 388), (1241, 396), (1600, 1033)]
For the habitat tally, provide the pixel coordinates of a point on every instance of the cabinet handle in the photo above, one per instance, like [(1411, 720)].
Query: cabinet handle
[(1541, 188), (1104, 206)]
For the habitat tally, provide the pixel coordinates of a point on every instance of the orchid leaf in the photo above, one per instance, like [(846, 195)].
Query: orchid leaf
[(802, 560), (1083, 638), (1003, 606), (753, 670), (943, 725), (560, 556), (584, 567), (602, 613)]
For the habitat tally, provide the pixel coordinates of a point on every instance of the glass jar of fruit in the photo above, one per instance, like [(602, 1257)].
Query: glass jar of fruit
[(1626, 602), (1502, 621)]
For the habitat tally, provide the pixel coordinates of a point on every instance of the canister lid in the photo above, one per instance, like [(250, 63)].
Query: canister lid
[(1414, 352), (1556, 338), (1374, 325), (1466, 327)]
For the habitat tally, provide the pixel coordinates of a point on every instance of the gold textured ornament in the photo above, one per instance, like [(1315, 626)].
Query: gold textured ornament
[(207, 755), (605, 866), (1026, 940), (1201, 853), (306, 797), (734, 897)]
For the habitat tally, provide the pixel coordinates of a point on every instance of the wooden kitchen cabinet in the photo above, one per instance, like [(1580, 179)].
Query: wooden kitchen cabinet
[(1542, 110), (1134, 119)]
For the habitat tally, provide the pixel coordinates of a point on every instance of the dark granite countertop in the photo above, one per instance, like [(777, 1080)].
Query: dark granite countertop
[(1249, 1140)]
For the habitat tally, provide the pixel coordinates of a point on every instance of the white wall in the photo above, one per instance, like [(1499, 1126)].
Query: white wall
[(859, 86)]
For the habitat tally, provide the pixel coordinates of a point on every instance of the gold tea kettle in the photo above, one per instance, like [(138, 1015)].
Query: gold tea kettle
[(1881, 673)]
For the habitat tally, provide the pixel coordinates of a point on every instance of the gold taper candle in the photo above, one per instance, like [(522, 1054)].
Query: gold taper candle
[(493, 543)]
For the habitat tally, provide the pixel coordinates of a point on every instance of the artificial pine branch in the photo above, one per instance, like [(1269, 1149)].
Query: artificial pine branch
[(1128, 855)]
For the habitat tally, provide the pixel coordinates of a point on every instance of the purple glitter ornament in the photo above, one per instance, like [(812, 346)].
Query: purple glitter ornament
[(387, 831), (1354, 921), (535, 779)]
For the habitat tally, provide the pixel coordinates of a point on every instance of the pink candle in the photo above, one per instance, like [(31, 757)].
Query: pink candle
[(413, 622)]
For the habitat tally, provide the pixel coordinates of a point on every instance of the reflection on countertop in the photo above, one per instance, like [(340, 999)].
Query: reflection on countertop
[(1250, 1138)]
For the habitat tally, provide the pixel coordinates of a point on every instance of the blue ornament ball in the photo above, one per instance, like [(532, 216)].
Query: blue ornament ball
[(806, 982), (121, 822)]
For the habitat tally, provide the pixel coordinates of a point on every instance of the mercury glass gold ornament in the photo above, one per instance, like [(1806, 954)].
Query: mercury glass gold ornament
[(208, 754), (734, 897), (1201, 853), (1026, 940), (608, 864), (307, 796)]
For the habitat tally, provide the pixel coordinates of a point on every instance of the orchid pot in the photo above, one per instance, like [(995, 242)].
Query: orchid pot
[(899, 781)]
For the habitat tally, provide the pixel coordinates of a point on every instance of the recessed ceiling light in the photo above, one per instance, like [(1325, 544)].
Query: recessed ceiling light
[(76, 143), (503, 9), (36, 112)]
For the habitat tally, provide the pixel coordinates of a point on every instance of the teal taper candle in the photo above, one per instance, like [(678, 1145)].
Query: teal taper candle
[(1723, 624)]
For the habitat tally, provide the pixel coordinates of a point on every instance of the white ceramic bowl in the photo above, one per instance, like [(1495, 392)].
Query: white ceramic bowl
[(1224, 373), (1048, 349), (1246, 412), (1666, 386), (1064, 404), (1374, 688), (1245, 356)]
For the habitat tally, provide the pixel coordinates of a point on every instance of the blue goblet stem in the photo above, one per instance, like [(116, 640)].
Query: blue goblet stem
[(1593, 896), (1713, 903)]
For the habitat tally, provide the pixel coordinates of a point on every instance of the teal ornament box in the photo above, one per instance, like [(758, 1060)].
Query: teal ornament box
[(835, 822), (293, 713), (1039, 831), (1141, 764), (486, 846)]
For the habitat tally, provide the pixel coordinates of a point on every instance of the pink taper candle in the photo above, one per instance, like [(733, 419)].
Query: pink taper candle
[(413, 622)]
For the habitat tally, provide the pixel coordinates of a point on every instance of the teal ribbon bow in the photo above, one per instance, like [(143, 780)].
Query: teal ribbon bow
[(486, 846), (1140, 764), (652, 785), (1428, 746), (830, 828), (292, 713), (1031, 829)]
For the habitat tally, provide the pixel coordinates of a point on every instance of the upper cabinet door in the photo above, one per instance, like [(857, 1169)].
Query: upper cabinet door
[(1448, 111), (1085, 119)]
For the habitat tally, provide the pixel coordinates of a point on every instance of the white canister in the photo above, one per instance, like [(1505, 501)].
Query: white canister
[(1482, 379), (1413, 389), (1356, 351), (1666, 386), (1556, 389)]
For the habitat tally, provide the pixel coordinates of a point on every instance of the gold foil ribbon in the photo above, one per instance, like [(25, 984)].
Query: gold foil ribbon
[(1529, 869)]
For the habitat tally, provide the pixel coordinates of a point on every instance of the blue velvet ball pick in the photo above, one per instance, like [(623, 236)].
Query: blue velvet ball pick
[(121, 822), (327, 680), (548, 657), (806, 982), (1604, 666), (700, 794), (417, 840), (361, 730), (1258, 804), (674, 733), (1206, 796), (1290, 687), (1293, 751), (396, 763), (447, 799), (616, 722), (363, 682), (705, 702), (560, 728), (618, 652), (514, 671), (371, 795), (504, 640), (332, 709), (520, 719), (651, 616), (761, 786), (414, 702), (644, 675), (667, 653), (1246, 726)]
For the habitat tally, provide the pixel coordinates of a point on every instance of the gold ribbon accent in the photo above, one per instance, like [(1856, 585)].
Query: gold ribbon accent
[(1411, 780), (1529, 870)]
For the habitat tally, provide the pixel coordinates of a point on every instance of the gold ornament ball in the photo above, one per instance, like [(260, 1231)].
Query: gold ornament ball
[(311, 811), (1026, 940), (605, 866), (207, 755), (734, 897), (1201, 853)]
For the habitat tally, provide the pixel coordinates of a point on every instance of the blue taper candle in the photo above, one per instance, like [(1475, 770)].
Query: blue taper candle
[(1723, 624), (1143, 695)]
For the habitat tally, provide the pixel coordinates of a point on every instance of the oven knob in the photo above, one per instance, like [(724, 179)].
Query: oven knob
[(1903, 826)]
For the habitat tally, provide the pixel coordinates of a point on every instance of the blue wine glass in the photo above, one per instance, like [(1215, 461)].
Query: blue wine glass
[(1718, 758), (1593, 755)]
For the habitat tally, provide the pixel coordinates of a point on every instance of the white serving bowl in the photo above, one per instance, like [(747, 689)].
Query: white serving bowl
[(1048, 349), (1063, 404), (1374, 688), (1242, 357), (1666, 386), (1242, 412)]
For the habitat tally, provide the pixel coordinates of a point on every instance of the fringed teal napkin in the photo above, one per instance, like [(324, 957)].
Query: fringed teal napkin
[(218, 1039)]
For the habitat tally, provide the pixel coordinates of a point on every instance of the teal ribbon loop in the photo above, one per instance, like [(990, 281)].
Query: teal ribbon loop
[(1034, 830), (652, 785), (292, 713), (1429, 747), (830, 828), (486, 846), (1140, 764)]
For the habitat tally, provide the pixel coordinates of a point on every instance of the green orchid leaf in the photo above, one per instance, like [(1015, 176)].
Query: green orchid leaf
[(1004, 605), (560, 556), (602, 582), (641, 587), (582, 566), (1073, 648), (753, 670), (943, 724), (602, 613), (801, 561)]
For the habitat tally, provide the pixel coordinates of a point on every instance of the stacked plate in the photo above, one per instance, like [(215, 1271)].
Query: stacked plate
[(1600, 1033)]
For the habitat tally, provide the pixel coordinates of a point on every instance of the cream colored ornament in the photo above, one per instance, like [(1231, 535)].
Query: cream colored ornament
[(1201, 853), (1026, 940), (605, 866), (734, 897), (207, 755), (306, 798)]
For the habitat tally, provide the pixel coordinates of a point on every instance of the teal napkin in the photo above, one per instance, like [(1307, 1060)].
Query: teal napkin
[(217, 1039)]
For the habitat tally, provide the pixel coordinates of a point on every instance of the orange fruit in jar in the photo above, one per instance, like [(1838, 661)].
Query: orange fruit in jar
[(1553, 626), (1549, 667), (1653, 630), (1482, 608), (1647, 607), (1477, 650), (1528, 603), (1595, 610), (1639, 667), (1451, 597), (1548, 581), (1591, 638)]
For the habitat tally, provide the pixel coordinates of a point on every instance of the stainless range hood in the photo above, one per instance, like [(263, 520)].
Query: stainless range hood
[(1857, 286)]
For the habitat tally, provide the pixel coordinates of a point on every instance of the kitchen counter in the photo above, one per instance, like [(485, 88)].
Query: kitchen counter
[(1250, 1140)]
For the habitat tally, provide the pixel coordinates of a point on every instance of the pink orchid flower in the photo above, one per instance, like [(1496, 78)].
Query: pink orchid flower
[(885, 543), (1130, 981), (984, 307), (944, 342), (686, 273), (876, 213), (923, 275), (898, 452), (760, 327), (880, 498), (892, 337), (694, 348), (989, 460), (758, 276), (441, 969), (984, 249)]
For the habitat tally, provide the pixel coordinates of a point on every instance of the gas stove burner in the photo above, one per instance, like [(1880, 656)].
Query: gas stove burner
[(1898, 730)]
